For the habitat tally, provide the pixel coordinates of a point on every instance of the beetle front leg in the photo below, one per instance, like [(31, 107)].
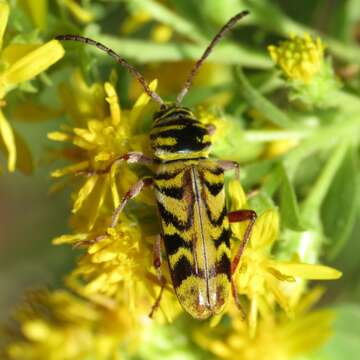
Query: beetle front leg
[(134, 191), (157, 264), (132, 157)]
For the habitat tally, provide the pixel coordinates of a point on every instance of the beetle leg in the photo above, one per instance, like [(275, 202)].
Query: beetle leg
[(230, 165), (157, 264), (238, 216), (132, 157), (211, 129), (134, 191)]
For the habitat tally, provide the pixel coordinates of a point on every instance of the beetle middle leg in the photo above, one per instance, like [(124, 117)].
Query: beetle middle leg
[(230, 165), (133, 192), (157, 264), (238, 216)]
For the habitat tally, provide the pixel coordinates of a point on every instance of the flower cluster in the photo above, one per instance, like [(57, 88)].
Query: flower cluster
[(19, 63), (61, 326), (301, 58), (277, 336), (310, 75)]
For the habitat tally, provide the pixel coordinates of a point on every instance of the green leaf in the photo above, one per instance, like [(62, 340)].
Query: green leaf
[(261, 202), (289, 207), (260, 103), (341, 203), (252, 174), (345, 343)]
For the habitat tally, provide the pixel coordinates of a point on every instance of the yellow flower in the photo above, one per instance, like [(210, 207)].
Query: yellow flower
[(80, 13), (300, 57), (60, 326), (277, 338), (102, 133), (20, 63), (117, 269), (261, 277)]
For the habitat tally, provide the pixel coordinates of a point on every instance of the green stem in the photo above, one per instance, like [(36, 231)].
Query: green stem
[(321, 139), (259, 102), (313, 202)]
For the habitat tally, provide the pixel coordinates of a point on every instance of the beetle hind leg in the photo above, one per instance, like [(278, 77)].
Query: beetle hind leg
[(238, 216)]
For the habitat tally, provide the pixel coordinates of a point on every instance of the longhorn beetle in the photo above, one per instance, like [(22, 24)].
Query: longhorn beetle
[(190, 194)]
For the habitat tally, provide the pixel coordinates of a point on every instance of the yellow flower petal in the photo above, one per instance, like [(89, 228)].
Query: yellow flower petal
[(84, 192), (307, 271), (58, 136), (266, 229), (80, 13), (4, 16), (97, 200), (71, 169), (69, 238), (33, 63), (14, 52), (113, 101), (36, 330), (140, 103), (237, 193), (114, 189), (7, 134)]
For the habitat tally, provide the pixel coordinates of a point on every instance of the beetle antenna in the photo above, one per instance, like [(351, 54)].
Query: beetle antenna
[(118, 59), (228, 26)]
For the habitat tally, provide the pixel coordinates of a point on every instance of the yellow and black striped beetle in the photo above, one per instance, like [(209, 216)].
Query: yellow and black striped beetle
[(190, 194)]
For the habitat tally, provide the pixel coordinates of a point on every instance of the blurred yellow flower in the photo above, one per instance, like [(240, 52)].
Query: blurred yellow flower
[(20, 63), (79, 12), (102, 133), (60, 326), (300, 57), (260, 276), (277, 336)]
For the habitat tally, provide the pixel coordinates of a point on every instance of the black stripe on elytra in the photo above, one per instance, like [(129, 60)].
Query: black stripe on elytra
[(223, 238), (183, 133), (167, 175), (224, 266), (220, 219), (215, 171), (173, 242), (172, 191), (162, 161), (214, 188), (181, 271), (180, 147), (170, 218)]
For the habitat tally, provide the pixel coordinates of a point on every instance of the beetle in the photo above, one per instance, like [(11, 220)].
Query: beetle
[(190, 195)]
